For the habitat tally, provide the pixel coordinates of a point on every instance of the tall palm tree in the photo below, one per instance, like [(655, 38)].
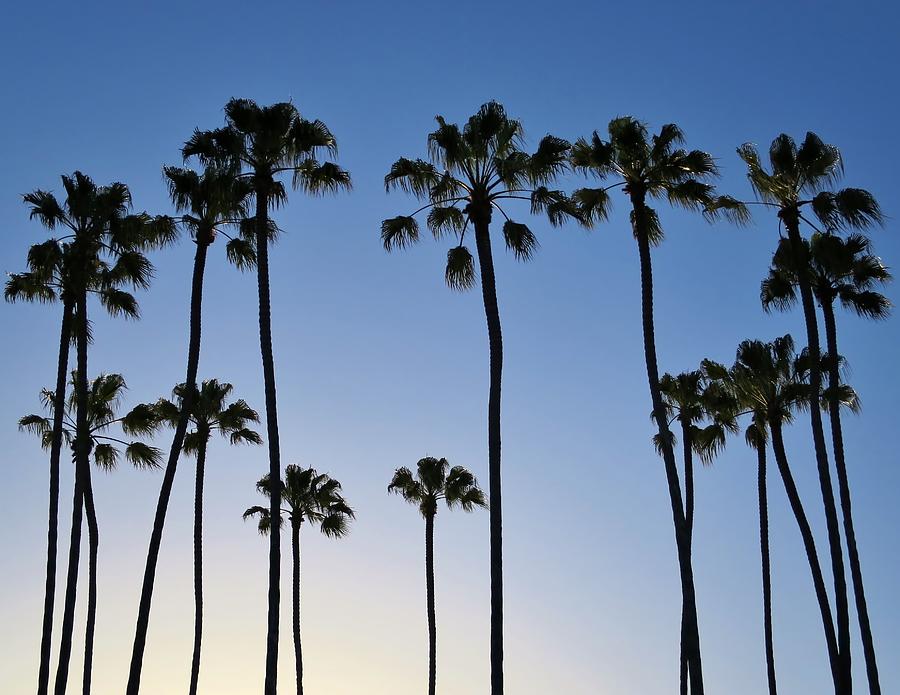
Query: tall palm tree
[(104, 400), (103, 246), (797, 189), (259, 144), (309, 497), (433, 481), (845, 270), (471, 173), (655, 168), (210, 412), (772, 382), (208, 202)]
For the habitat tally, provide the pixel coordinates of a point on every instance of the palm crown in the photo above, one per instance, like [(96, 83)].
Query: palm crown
[(471, 172), (210, 412), (104, 400), (311, 497), (433, 481)]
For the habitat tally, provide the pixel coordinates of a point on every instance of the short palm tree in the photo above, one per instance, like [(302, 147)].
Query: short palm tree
[(105, 394), (471, 172), (209, 412), (845, 270), (434, 481), (797, 189), (771, 381), (103, 250), (311, 497), (259, 144), (208, 202), (656, 168)]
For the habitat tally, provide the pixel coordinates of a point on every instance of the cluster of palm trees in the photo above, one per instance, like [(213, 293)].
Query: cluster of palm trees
[(471, 175)]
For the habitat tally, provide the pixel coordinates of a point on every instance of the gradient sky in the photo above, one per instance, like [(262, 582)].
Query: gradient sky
[(379, 364)]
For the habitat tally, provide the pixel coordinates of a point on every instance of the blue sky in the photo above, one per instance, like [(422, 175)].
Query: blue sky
[(378, 363)]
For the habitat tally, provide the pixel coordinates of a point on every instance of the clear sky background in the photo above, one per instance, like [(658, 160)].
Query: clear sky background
[(379, 364)]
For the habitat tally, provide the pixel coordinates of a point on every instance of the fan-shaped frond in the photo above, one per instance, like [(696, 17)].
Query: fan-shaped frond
[(399, 232), (460, 272), (520, 240)]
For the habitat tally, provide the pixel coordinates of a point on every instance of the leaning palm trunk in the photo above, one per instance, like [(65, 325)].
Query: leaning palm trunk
[(687, 450), (792, 224), (198, 568), (837, 438), (82, 470), (268, 362), (298, 649), (90, 514), (162, 504), (812, 555), (429, 597), (691, 632), (766, 565), (59, 404), (481, 220)]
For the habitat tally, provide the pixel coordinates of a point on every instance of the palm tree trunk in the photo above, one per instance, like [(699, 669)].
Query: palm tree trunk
[(59, 405), (90, 514), (198, 566), (298, 649), (165, 491), (837, 439), (812, 555), (687, 450), (792, 224), (82, 437), (429, 593), (481, 220), (766, 564), (268, 363), (692, 631)]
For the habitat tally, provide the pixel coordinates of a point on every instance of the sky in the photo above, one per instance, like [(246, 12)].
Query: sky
[(379, 364)]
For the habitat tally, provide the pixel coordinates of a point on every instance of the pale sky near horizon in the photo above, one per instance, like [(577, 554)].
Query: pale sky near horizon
[(379, 364)]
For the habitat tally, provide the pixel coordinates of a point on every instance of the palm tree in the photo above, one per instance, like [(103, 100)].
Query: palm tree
[(316, 499), (208, 202), (772, 382), (797, 186), (210, 412), (656, 168), (259, 144), (104, 400), (100, 252), (845, 270), (471, 172), (434, 481)]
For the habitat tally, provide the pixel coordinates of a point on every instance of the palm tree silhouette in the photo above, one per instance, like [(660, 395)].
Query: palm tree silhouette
[(105, 394), (208, 202), (316, 499), (209, 412), (258, 144), (797, 186), (101, 251), (845, 270), (771, 381), (433, 481), (470, 173), (656, 168)]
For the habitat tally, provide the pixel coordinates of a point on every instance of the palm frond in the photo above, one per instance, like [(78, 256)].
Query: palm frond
[(460, 272)]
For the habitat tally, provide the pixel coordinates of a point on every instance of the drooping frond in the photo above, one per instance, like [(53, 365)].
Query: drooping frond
[(555, 204), (399, 232), (593, 205), (460, 272), (520, 240), (317, 178), (445, 220)]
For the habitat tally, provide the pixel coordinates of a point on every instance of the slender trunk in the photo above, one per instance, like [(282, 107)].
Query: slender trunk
[(82, 437), (692, 631), (268, 363), (295, 591), (165, 491), (766, 564), (812, 555), (791, 221), (59, 405), (198, 566), (481, 220), (429, 594), (837, 438), (687, 450), (90, 514)]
